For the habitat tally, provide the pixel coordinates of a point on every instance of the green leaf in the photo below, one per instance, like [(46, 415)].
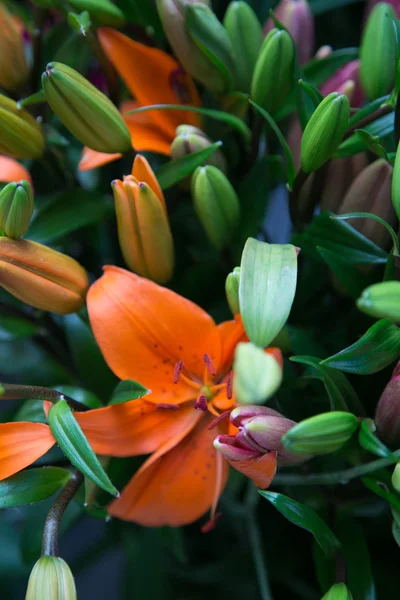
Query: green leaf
[(377, 349), (370, 442), (268, 276), (219, 115), (365, 215), (75, 446), (306, 518), (128, 390), (366, 110), (291, 167), (353, 279), (372, 143), (318, 70), (176, 170), (68, 212), (312, 92), (33, 485), (380, 484), (80, 22), (15, 328), (341, 238), (341, 393), (37, 98), (382, 127)]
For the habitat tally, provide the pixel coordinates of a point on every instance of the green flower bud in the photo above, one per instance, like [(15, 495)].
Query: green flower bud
[(245, 32), (321, 434), (87, 113), (190, 139), (379, 52), (273, 75), (324, 131), (51, 578), (16, 208), (232, 290), (216, 203), (396, 183), (381, 300), (20, 134), (258, 374), (338, 591)]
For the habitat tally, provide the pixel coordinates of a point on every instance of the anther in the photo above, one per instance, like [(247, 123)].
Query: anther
[(209, 365), (229, 383), (218, 420), (201, 403), (177, 370), (166, 406)]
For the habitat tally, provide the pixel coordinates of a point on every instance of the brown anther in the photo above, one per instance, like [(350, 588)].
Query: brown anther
[(209, 364), (218, 420), (166, 406), (177, 370), (201, 403), (229, 385)]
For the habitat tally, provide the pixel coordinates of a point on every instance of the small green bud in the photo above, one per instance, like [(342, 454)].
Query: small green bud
[(190, 139), (396, 478), (324, 131), (321, 434), (232, 290), (338, 591), (50, 579), (20, 134), (216, 203), (16, 208), (245, 32), (273, 75), (381, 300), (87, 113), (258, 374), (379, 52)]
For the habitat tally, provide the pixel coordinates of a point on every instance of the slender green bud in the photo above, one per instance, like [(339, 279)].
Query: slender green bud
[(338, 591), (258, 374), (324, 131), (396, 478), (396, 183), (379, 52), (216, 203), (87, 113), (245, 32), (190, 139), (232, 290), (321, 434), (16, 208), (51, 579), (20, 134), (273, 75), (381, 300)]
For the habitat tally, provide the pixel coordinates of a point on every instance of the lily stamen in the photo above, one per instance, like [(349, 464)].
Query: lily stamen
[(177, 370)]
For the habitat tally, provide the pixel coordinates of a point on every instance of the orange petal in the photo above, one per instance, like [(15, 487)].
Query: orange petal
[(132, 428), (231, 333), (143, 172), (12, 170), (166, 85), (91, 159), (177, 486), (147, 138), (261, 469), (144, 329), (21, 444)]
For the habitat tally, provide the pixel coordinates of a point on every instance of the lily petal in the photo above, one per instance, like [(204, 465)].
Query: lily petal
[(12, 170), (144, 329), (21, 444), (168, 84), (175, 487), (91, 159), (142, 171), (260, 469), (231, 333)]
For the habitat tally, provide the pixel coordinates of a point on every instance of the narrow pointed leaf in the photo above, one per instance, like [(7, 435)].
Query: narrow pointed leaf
[(75, 446), (365, 215), (33, 485), (370, 442), (128, 390), (306, 518), (353, 279), (176, 170), (318, 70)]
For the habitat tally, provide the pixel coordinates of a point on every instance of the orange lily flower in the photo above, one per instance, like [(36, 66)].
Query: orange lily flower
[(12, 170), (153, 77)]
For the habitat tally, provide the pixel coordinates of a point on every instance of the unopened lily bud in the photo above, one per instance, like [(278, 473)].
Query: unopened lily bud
[(194, 61), (324, 131), (51, 578), (387, 415), (143, 229), (321, 434), (381, 300), (20, 135), (273, 75), (396, 478), (338, 591), (103, 12), (87, 113), (339, 82), (258, 375), (394, 3), (396, 183), (216, 203), (232, 290), (266, 433), (16, 208), (297, 17), (244, 30), (42, 277), (379, 46), (190, 139), (13, 65)]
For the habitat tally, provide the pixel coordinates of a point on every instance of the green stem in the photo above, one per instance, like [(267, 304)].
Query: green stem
[(11, 391), (377, 114), (251, 502), (342, 477)]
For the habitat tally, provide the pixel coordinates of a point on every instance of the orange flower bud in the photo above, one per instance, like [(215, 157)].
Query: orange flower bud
[(42, 277), (13, 65), (143, 228)]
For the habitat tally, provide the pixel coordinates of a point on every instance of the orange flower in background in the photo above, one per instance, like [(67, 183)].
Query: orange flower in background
[(12, 170), (21, 444), (153, 77)]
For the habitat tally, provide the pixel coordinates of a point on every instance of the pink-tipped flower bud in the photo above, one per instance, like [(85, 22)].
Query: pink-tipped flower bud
[(336, 83), (296, 16), (387, 416)]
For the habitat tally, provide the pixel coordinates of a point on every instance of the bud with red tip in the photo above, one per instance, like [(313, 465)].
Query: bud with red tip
[(387, 416), (297, 17), (339, 81)]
